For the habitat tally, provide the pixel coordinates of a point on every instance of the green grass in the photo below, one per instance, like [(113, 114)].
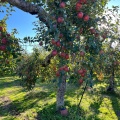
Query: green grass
[(39, 104)]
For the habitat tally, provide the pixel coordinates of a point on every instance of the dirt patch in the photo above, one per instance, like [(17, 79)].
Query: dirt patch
[(7, 107), (4, 100)]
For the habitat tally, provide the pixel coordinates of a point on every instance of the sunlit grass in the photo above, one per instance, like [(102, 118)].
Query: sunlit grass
[(39, 104)]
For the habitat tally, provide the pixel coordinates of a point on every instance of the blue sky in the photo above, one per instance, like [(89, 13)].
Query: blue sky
[(114, 2), (23, 22)]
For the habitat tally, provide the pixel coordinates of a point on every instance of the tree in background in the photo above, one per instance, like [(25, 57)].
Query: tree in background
[(110, 65), (9, 50), (109, 54), (30, 67)]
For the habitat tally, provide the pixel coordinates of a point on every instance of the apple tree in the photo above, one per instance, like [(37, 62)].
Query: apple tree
[(9, 50), (68, 28), (108, 59), (31, 68), (110, 65)]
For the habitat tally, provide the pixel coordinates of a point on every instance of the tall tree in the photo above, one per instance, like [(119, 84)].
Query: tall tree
[(70, 27)]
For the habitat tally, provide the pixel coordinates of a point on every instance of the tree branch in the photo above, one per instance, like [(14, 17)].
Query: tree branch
[(32, 9), (47, 60)]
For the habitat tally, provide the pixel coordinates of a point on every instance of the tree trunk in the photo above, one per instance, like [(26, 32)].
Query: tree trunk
[(60, 93), (111, 82)]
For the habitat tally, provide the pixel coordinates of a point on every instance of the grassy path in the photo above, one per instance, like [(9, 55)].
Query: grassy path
[(39, 104)]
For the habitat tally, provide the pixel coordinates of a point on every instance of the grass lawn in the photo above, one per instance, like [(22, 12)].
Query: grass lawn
[(39, 104)]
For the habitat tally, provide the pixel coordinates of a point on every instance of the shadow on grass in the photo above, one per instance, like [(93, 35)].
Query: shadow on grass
[(75, 113), (94, 107), (11, 83), (115, 98), (18, 106), (15, 108), (37, 95), (49, 113)]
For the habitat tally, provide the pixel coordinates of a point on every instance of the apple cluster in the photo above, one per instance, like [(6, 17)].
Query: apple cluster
[(74, 31), (8, 44), (80, 14), (82, 73), (4, 41), (63, 68)]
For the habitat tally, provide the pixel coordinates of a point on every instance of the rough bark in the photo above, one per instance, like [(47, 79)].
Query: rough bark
[(32, 9), (46, 61), (111, 82), (60, 93)]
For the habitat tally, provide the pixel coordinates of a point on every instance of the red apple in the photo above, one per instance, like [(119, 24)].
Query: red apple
[(66, 68), (0, 28), (61, 35), (58, 44), (4, 40), (54, 52), (85, 1), (86, 18), (80, 81), (62, 4), (60, 20), (80, 15), (64, 112), (61, 68), (80, 71), (96, 34), (84, 70), (3, 48), (63, 48), (82, 54), (83, 74), (40, 43), (53, 42), (93, 31), (8, 35), (103, 36), (66, 56), (78, 6), (63, 54), (101, 52), (57, 73)]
